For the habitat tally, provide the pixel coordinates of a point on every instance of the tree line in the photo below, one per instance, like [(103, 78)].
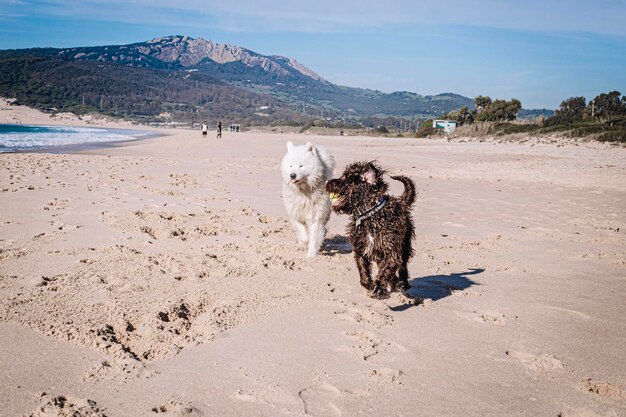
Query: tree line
[(603, 118), (603, 107), (487, 110)]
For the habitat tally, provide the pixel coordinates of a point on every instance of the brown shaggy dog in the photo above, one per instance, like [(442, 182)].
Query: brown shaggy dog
[(380, 228)]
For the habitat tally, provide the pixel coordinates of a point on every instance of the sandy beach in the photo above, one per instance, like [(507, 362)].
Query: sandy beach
[(162, 278)]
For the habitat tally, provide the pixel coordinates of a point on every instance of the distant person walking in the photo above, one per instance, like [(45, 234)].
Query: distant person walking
[(205, 128), (219, 130)]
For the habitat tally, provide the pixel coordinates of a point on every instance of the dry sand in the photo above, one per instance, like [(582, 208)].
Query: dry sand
[(162, 278), (12, 114)]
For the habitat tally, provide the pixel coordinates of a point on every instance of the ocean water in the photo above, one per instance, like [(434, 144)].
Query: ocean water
[(30, 137)]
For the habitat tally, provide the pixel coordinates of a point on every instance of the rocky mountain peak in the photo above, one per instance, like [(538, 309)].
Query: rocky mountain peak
[(188, 51)]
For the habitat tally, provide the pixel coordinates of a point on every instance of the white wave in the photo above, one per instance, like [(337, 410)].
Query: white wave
[(57, 136)]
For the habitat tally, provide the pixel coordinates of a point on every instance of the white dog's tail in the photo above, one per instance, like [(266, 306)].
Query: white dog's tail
[(327, 159)]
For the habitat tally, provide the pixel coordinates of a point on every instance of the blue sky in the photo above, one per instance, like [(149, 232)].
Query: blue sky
[(540, 52)]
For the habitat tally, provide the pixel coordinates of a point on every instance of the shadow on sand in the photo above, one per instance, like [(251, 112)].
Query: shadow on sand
[(336, 245), (436, 287)]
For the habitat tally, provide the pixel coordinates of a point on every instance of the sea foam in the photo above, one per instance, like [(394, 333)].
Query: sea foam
[(30, 137)]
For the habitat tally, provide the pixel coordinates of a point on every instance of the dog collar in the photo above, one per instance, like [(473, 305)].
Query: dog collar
[(382, 202)]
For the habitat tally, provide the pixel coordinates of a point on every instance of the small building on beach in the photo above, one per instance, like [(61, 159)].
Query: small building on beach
[(448, 126)]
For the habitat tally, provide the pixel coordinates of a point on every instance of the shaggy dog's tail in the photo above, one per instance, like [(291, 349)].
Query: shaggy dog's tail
[(409, 189)]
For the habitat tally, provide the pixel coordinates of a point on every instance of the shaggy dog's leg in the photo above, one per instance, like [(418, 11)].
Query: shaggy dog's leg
[(386, 280), (317, 231), (403, 272), (301, 232), (365, 270), (403, 283)]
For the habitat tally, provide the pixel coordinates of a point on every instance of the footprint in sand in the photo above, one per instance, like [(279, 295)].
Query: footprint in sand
[(603, 389), (275, 396), (386, 375), (123, 369), (364, 316), (465, 293), (488, 317), (59, 406), (367, 345), (174, 408), (543, 362), (491, 318), (319, 400)]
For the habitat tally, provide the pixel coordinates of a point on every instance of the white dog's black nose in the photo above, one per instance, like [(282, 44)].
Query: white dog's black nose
[(293, 176)]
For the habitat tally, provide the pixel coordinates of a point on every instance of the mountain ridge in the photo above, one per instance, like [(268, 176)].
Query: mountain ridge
[(173, 65), (188, 52)]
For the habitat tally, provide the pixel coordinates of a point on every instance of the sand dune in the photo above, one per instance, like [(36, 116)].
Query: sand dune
[(162, 278)]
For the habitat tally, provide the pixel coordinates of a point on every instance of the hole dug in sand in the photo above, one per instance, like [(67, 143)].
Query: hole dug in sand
[(61, 406)]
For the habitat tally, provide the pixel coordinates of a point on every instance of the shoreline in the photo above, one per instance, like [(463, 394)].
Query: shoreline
[(78, 148), (10, 114), (25, 116)]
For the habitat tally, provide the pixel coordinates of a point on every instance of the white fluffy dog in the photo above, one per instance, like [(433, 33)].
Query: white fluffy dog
[(305, 170)]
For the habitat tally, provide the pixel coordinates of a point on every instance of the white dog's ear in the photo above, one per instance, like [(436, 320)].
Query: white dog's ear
[(289, 145), (310, 148)]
